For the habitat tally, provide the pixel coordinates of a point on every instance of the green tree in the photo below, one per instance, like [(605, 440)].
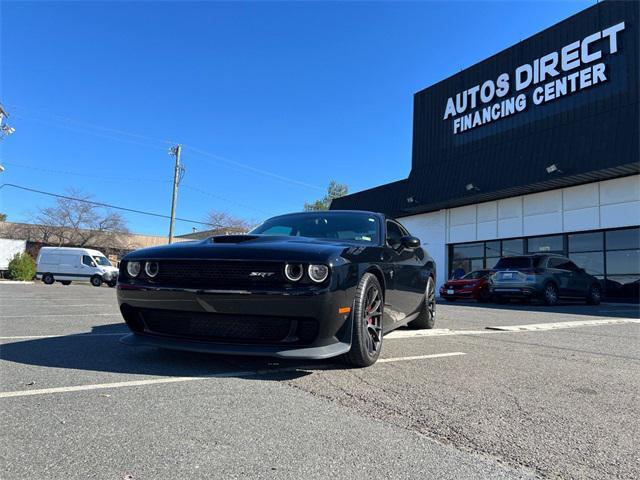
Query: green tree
[(334, 190), (3, 217), (22, 267)]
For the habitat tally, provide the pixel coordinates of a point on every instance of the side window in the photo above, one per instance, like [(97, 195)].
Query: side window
[(88, 261), (562, 264), (553, 263), (394, 234), (569, 265)]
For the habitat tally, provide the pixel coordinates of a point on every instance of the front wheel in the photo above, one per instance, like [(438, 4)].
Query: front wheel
[(112, 283), (594, 296), (427, 316), (48, 279), (366, 341), (96, 281), (484, 296)]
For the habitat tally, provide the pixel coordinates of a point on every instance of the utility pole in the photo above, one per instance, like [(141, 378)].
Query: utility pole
[(178, 173)]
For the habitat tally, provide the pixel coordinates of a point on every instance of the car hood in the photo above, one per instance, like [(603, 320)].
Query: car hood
[(250, 247)]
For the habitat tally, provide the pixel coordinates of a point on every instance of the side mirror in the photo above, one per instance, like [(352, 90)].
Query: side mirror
[(410, 242)]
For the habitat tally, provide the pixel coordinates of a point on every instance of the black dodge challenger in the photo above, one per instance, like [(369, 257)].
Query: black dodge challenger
[(306, 285)]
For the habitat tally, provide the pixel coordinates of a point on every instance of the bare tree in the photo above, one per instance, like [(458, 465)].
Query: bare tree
[(227, 223), (74, 221)]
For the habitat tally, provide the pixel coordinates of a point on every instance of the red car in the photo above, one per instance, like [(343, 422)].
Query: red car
[(474, 285)]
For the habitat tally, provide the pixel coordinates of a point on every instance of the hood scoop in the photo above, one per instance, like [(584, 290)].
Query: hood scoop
[(232, 238)]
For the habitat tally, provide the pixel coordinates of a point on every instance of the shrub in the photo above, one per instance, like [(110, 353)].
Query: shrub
[(22, 267)]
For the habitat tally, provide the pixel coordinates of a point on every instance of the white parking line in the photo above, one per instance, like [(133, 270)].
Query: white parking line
[(420, 357), (535, 327), (157, 381), (48, 305), (27, 337), (64, 315), (436, 332)]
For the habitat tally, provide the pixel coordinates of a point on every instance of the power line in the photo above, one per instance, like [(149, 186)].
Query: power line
[(73, 124), (136, 179), (107, 205)]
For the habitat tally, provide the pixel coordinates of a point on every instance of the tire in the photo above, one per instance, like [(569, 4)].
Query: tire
[(96, 281), (368, 307), (594, 295), (427, 316), (550, 294), (112, 283), (485, 296), (48, 279), (450, 299), (65, 282)]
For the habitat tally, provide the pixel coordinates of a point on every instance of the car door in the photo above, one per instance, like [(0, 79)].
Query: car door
[(88, 266), (558, 268), (407, 287), (579, 281)]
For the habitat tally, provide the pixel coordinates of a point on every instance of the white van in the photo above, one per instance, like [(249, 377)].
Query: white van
[(63, 264)]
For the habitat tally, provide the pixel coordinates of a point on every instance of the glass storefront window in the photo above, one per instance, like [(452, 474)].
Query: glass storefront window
[(585, 242), (469, 250), (512, 247), (492, 249), (625, 287), (491, 262), (628, 238), (551, 243), (623, 262), (592, 262)]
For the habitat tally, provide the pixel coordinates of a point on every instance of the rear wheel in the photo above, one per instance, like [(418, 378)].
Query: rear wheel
[(96, 281), (112, 283), (427, 316), (594, 296), (65, 282), (366, 341), (550, 294), (48, 279)]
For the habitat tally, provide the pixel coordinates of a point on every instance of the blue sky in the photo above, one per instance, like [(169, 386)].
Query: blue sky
[(271, 100)]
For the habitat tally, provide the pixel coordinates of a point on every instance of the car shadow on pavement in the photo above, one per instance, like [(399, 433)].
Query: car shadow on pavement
[(101, 351), (566, 308)]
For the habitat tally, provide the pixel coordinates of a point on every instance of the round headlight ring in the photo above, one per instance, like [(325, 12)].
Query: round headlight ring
[(151, 269), (133, 269), (293, 271), (318, 273)]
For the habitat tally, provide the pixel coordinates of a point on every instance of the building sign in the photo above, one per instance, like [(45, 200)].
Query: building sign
[(499, 98)]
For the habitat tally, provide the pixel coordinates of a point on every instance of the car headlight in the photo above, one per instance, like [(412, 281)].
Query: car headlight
[(293, 271), (318, 273), (133, 269), (151, 269)]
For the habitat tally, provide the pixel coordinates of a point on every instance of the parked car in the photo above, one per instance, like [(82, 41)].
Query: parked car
[(545, 276), (474, 285), (65, 264), (308, 285)]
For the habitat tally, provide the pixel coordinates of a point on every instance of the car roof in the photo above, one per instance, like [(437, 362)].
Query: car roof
[(332, 212)]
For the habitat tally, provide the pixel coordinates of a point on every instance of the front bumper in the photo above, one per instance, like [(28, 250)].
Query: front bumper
[(143, 305)]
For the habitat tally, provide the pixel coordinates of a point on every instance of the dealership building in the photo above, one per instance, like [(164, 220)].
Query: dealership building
[(535, 149)]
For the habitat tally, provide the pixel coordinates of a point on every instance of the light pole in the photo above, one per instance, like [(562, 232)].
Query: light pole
[(178, 173)]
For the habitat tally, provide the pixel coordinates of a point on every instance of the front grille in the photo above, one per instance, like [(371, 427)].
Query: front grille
[(219, 274), (230, 328)]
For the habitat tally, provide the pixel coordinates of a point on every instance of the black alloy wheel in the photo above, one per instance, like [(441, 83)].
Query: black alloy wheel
[(366, 315), (427, 316), (48, 279), (595, 295), (485, 295), (96, 281), (550, 294)]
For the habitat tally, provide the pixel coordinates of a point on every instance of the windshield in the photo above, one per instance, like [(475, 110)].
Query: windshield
[(353, 227), (104, 261), (477, 275)]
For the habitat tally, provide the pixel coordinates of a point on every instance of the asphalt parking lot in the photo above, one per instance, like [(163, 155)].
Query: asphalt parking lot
[(544, 392)]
